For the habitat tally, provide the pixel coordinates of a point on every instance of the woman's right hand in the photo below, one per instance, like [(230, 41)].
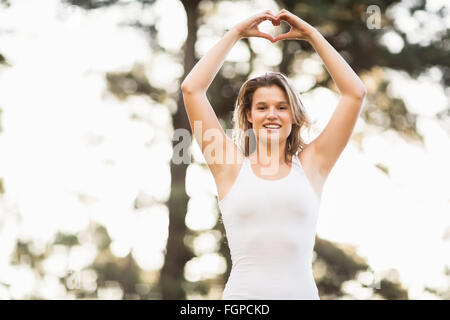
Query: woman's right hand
[(249, 27)]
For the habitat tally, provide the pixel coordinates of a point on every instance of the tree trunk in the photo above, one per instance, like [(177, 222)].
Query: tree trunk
[(177, 254)]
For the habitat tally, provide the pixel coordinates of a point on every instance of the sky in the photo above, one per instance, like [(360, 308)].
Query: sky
[(70, 152)]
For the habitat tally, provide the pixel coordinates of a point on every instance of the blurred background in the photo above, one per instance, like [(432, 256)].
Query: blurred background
[(93, 207)]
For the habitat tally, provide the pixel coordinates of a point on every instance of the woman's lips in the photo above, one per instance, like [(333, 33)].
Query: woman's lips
[(271, 128)]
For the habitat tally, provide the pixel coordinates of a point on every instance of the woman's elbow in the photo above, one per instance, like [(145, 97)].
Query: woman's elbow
[(362, 92), (359, 93), (185, 87), (189, 88)]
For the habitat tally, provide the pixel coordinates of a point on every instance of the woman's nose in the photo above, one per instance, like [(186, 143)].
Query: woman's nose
[(272, 112)]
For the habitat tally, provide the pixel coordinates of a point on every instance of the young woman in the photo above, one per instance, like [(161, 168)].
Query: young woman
[(269, 191)]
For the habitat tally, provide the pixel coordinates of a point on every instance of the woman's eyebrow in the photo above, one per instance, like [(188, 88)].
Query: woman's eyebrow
[(279, 102)]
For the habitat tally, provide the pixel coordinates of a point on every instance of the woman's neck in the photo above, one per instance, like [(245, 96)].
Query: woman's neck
[(265, 156)]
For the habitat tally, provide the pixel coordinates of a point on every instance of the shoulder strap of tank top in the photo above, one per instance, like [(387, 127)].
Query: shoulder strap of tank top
[(246, 166), (295, 161)]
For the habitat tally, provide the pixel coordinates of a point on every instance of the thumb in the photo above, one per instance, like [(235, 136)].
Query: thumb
[(266, 36), (283, 36)]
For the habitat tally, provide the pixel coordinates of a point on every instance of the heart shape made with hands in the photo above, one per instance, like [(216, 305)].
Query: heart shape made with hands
[(268, 26)]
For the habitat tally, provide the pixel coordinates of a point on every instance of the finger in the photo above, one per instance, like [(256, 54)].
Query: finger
[(284, 16), (268, 12), (267, 15), (282, 36), (270, 17), (266, 36), (284, 11), (258, 19)]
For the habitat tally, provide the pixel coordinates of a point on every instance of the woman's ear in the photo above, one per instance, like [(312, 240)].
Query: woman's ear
[(249, 115)]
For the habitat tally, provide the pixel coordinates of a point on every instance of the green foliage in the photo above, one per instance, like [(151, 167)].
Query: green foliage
[(392, 290), (340, 265), (101, 237), (91, 4), (124, 271), (344, 263), (95, 4), (134, 82), (2, 59), (68, 240)]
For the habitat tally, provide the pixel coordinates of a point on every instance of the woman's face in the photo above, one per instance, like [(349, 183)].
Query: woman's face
[(270, 105)]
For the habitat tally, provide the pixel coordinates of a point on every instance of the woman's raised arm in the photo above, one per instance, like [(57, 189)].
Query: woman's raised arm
[(204, 72)]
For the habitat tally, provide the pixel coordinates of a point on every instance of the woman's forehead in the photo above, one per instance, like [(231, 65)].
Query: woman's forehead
[(269, 94)]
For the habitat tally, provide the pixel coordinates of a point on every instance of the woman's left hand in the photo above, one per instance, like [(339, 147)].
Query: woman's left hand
[(249, 27), (300, 29)]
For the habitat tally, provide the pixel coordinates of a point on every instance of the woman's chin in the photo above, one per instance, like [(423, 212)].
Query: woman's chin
[(270, 139)]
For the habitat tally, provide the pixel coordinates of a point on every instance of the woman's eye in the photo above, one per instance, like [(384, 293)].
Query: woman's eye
[(283, 108)]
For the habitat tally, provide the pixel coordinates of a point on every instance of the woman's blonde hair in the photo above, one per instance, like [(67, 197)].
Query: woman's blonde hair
[(294, 143)]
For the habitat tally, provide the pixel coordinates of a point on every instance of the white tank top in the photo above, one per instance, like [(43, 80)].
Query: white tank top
[(270, 227)]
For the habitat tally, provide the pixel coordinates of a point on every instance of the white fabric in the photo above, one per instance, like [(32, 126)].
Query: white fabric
[(270, 227)]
